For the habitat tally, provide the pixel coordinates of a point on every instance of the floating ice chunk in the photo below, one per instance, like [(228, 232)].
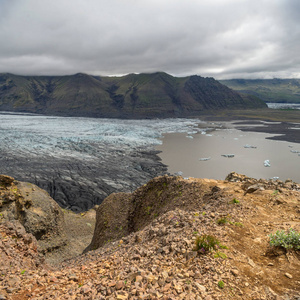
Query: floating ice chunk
[(189, 136), (290, 146), (267, 163), (295, 151), (228, 155), (274, 178), (179, 173), (204, 158), (192, 132), (236, 139), (250, 146), (209, 135)]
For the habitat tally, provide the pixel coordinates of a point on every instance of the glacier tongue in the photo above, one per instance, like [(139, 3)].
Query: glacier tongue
[(79, 161)]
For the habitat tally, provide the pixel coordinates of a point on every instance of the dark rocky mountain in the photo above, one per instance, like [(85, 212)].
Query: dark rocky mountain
[(269, 90), (131, 96)]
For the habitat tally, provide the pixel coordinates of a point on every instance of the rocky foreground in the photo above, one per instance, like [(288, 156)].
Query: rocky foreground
[(143, 245)]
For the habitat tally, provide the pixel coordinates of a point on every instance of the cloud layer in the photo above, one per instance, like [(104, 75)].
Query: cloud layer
[(219, 38)]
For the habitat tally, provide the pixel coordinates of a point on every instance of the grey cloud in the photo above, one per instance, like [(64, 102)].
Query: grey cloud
[(220, 38)]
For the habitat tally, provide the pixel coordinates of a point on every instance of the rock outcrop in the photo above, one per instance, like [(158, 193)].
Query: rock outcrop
[(34, 209), (154, 254), (123, 213)]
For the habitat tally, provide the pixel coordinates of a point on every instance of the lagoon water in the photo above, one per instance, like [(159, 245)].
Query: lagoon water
[(182, 152)]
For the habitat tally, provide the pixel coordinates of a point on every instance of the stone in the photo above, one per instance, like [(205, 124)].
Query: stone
[(123, 296), (112, 283), (73, 277), (119, 284), (288, 275), (200, 287)]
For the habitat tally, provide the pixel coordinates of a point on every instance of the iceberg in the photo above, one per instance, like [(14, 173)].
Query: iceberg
[(228, 155), (204, 158), (250, 146), (267, 163), (179, 173), (295, 151)]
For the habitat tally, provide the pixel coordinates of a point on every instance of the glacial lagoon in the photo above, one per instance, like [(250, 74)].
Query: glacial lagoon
[(221, 151), (80, 161)]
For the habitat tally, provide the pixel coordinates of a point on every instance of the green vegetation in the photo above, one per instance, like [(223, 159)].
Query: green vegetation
[(222, 221), (148, 210), (207, 243), (221, 284), (235, 201), (219, 254), (287, 240), (269, 90)]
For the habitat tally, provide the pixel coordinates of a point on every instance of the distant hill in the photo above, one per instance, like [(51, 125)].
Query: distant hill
[(131, 96), (269, 90)]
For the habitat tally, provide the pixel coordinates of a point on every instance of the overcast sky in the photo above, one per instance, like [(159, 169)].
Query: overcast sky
[(218, 38)]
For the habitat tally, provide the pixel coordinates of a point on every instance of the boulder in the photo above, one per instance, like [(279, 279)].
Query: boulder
[(35, 210)]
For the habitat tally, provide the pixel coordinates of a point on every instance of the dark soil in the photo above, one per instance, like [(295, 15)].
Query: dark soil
[(284, 131)]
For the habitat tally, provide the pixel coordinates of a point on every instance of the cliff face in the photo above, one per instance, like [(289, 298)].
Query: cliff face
[(131, 96)]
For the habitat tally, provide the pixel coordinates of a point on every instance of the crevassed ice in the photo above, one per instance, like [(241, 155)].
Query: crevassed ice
[(59, 136)]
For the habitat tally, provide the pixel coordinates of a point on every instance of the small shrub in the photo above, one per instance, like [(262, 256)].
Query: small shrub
[(238, 224), (221, 284), (207, 243), (222, 221), (235, 201), (287, 240)]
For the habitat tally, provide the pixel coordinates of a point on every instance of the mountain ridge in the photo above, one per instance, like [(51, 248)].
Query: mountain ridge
[(131, 96), (285, 90)]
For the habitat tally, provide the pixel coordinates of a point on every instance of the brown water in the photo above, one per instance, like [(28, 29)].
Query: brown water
[(181, 153)]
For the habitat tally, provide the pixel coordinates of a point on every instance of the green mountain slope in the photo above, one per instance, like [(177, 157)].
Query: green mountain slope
[(131, 96), (269, 90)]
